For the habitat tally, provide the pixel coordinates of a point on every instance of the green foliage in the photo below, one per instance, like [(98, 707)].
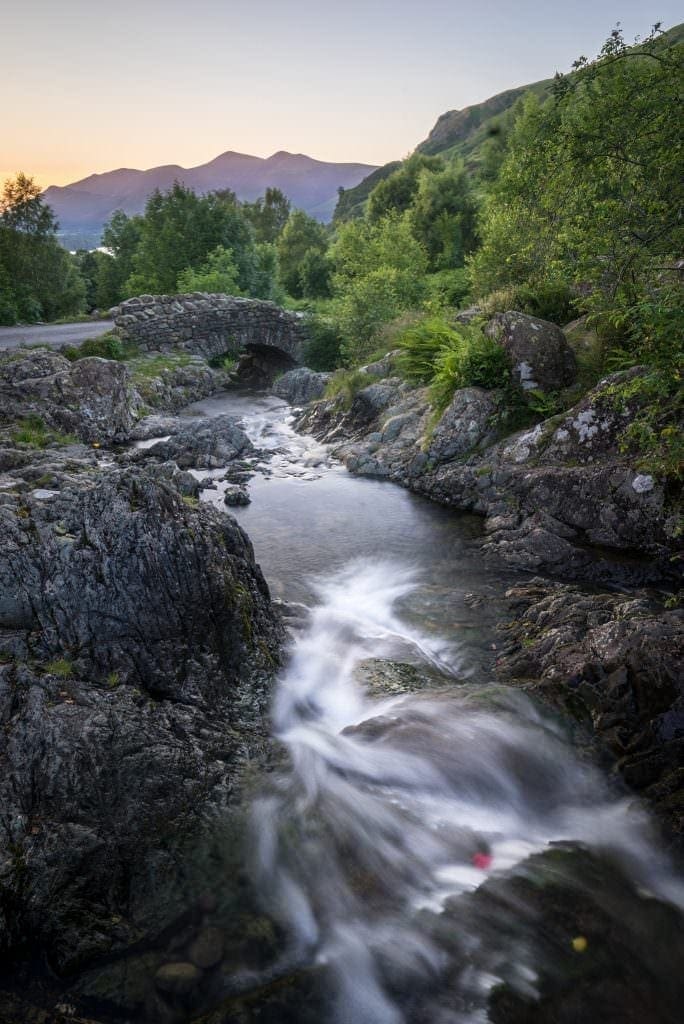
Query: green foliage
[(218, 273), (655, 402), (543, 404), (443, 215), (396, 193), (448, 358), (121, 235), (107, 346), (226, 362), (380, 271), (179, 230), (607, 142), (549, 300), (351, 202), (322, 350), (315, 275), (299, 237), (38, 278), (59, 667), (345, 384), (448, 288), (268, 215), (420, 345), (34, 432)]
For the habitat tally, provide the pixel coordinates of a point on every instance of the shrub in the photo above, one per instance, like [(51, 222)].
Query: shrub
[(548, 300), (345, 384), (448, 288), (108, 346), (468, 359), (59, 667), (420, 344), (322, 350)]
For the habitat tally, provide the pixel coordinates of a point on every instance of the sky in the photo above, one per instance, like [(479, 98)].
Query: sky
[(87, 86)]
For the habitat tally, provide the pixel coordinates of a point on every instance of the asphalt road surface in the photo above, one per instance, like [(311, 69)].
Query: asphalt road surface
[(54, 335)]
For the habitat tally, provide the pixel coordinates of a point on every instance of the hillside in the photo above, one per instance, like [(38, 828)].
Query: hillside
[(462, 133), (312, 185)]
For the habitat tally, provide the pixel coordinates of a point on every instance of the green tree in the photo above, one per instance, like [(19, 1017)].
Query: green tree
[(219, 273), (380, 271), (443, 216), (179, 229), (300, 235), (38, 278), (121, 237), (396, 193), (314, 275), (590, 193), (268, 215)]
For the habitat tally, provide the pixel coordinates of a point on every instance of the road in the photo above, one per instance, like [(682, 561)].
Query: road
[(53, 335)]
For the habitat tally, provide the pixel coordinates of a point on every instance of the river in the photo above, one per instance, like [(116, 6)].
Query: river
[(415, 785)]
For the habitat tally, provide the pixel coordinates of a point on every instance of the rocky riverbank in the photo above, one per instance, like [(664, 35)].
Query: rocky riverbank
[(138, 645), (566, 497)]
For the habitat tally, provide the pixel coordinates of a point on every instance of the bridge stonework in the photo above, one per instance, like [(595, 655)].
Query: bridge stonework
[(210, 325)]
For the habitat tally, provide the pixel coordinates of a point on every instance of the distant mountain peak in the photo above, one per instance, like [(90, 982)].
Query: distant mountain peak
[(312, 185)]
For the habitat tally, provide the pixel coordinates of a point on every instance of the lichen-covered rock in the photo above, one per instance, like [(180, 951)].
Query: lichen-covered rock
[(300, 386), (91, 398), (468, 421), (538, 350), (137, 642), (557, 496)]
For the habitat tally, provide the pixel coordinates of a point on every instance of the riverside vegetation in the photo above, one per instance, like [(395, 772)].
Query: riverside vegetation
[(494, 324)]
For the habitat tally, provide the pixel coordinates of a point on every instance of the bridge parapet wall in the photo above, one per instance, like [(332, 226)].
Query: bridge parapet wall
[(209, 325)]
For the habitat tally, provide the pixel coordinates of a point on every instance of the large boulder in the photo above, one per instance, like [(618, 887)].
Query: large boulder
[(137, 644), (206, 443), (300, 386), (91, 398), (540, 355)]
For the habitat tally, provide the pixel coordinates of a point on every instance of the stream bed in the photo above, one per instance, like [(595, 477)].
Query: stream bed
[(435, 848)]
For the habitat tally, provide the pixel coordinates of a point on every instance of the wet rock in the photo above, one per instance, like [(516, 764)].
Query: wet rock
[(300, 386), (236, 495), (157, 425), (207, 949), (178, 979), (614, 662), (538, 350), (206, 443)]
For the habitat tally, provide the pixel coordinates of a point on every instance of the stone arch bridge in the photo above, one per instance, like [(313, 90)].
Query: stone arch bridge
[(266, 338)]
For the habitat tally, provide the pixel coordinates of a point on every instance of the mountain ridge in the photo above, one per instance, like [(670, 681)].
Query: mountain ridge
[(83, 206), (462, 132)]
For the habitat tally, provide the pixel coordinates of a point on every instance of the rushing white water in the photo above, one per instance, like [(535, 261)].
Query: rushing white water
[(392, 808), (391, 845)]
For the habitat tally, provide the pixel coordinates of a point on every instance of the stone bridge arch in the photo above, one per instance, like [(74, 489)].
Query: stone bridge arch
[(266, 338)]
